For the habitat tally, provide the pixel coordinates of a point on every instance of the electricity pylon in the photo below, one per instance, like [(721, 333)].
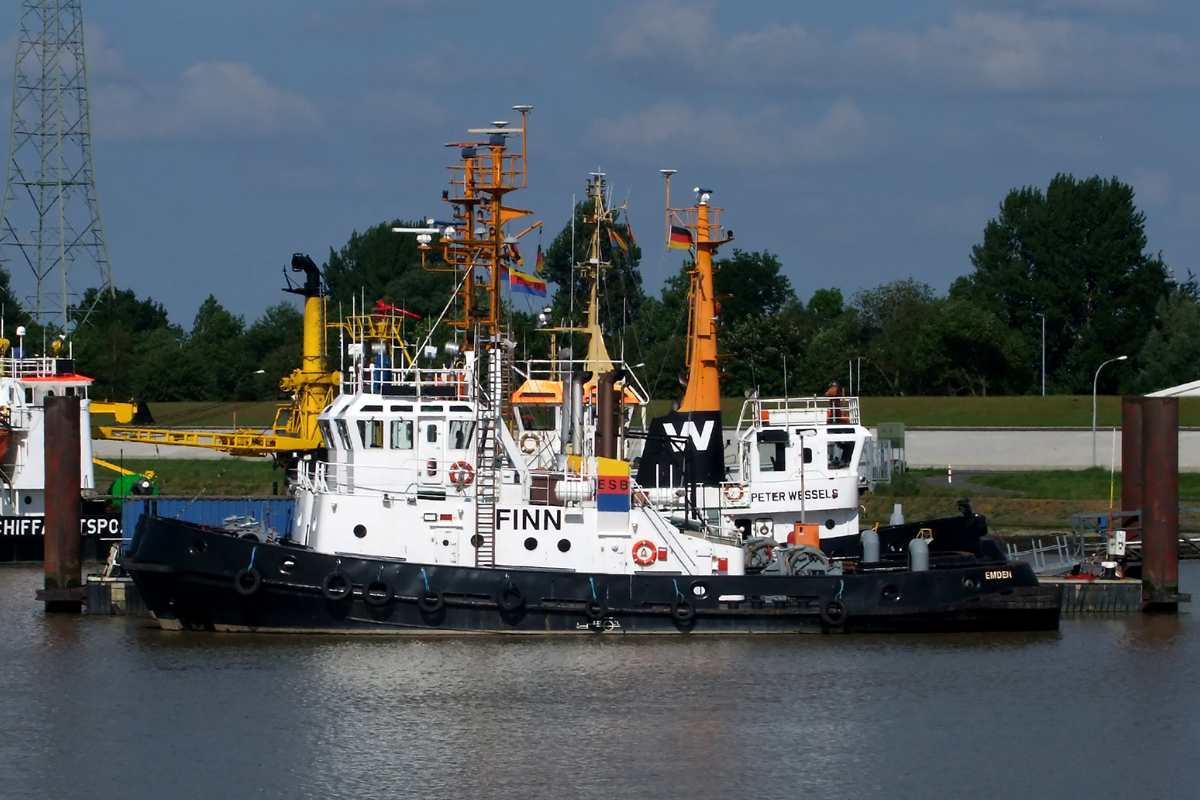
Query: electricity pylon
[(50, 222)]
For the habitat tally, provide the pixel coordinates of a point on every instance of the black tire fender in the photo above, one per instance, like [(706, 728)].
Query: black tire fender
[(336, 586), (247, 581), (595, 610), (682, 610), (510, 599), (431, 601), (377, 593), (833, 613)]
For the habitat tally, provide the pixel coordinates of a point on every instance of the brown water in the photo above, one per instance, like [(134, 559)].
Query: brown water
[(111, 708)]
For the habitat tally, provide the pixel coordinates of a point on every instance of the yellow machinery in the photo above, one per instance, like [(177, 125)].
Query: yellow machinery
[(312, 387)]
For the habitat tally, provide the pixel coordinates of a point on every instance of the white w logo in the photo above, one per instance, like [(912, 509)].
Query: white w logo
[(699, 436)]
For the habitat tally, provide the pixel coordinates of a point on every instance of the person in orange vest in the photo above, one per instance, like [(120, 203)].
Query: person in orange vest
[(835, 411)]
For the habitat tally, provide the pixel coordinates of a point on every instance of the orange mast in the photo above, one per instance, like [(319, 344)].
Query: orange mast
[(703, 224)]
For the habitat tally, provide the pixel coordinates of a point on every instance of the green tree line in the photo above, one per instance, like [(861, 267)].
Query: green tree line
[(1072, 256)]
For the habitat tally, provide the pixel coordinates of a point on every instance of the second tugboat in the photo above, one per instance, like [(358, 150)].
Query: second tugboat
[(427, 517)]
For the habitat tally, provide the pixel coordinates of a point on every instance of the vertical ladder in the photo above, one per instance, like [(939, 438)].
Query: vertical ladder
[(487, 489)]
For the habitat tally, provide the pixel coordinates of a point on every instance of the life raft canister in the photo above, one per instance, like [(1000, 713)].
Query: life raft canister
[(645, 553), (461, 473)]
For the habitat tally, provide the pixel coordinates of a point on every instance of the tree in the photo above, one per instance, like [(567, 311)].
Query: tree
[(893, 320), (1171, 354), (381, 265), (1075, 253), (108, 338), (750, 284), (275, 343)]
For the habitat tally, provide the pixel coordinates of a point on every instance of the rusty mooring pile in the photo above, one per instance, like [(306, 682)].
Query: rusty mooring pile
[(1150, 486)]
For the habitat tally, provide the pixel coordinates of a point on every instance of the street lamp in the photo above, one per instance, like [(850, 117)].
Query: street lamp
[(1043, 316), (235, 388), (1095, 382)]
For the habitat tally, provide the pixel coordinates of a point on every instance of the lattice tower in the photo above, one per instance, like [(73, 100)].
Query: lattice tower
[(50, 222)]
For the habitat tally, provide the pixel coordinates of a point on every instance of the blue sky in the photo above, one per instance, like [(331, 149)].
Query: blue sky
[(860, 142)]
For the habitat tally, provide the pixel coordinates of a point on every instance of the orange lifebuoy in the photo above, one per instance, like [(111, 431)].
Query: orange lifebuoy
[(645, 553), (529, 442), (734, 492), (461, 473)]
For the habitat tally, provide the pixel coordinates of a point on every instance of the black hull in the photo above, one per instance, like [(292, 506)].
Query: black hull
[(188, 574)]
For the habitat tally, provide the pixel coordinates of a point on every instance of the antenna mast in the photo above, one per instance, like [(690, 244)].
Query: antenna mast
[(50, 221)]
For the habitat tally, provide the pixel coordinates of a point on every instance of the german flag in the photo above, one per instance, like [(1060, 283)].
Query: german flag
[(538, 265), (515, 255), (681, 238)]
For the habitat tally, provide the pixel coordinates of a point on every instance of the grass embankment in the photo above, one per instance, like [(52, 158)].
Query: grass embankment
[(226, 476), (1038, 499), (981, 412)]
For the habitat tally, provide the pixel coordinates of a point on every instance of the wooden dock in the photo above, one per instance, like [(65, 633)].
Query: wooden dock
[(1099, 596)]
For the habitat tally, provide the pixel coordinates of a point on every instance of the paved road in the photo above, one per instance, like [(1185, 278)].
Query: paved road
[(1015, 449)]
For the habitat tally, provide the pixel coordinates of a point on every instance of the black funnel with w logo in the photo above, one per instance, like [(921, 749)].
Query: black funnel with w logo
[(683, 448)]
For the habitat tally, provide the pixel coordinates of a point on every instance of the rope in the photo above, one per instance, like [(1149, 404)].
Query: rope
[(426, 577), (841, 586), (592, 581), (678, 594), (253, 552)]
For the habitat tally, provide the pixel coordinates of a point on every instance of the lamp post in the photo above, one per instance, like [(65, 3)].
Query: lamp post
[(1043, 316), (235, 388), (1095, 382)]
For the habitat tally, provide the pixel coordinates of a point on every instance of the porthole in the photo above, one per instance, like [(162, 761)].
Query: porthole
[(28, 500), (198, 546), (477, 541), (699, 589), (829, 524), (968, 582), (890, 592), (445, 542), (360, 531), (531, 543), (287, 565), (563, 545)]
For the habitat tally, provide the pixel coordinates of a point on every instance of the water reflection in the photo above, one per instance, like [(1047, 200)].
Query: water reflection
[(112, 708)]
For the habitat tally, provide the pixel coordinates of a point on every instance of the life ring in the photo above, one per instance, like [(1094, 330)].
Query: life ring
[(431, 601), (377, 593), (336, 586), (510, 598), (461, 473), (246, 587), (529, 443), (645, 553), (682, 610), (833, 614), (734, 492)]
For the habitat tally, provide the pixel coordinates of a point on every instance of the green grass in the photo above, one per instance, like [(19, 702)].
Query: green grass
[(980, 412), (226, 476)]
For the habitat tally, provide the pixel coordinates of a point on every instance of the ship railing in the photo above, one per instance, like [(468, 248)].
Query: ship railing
[(445, 384), (41, 367), (18, 417), (664, 528), (787, 411)]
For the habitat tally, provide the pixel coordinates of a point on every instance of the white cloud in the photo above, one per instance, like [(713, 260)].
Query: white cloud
[(211, 100), (1001, 51), (755, 140)]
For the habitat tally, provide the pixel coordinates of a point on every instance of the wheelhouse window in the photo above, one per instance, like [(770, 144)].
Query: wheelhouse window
[(371, 433), (402, 434), (537, 418), (840, 454), (772, 456), (327, 434), (344, 434), (460, 433)]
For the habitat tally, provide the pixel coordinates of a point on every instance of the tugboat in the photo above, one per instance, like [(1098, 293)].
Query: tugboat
[(425, 516)]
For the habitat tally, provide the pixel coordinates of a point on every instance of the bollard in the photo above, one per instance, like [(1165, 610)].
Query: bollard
[(64, 573), (1131, 456), (1160, 503)]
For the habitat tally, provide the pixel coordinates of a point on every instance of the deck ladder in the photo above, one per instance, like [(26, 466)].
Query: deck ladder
[(486, 457)]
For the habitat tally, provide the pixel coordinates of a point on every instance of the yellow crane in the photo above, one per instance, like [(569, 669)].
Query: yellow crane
[(295, 429)]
